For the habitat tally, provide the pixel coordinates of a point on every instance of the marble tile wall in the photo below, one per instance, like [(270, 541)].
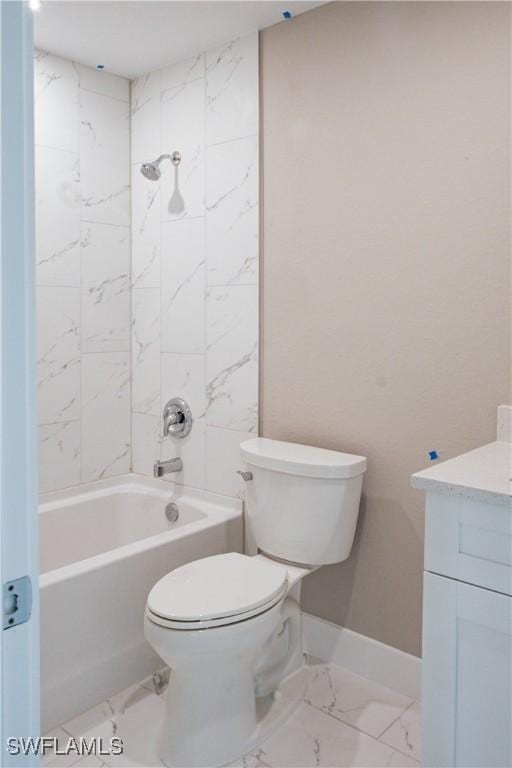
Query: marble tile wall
[(82, 126), (195, 246), (119, 335)]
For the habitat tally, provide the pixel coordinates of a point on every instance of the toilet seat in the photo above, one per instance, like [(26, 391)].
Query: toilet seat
[(216, 591)]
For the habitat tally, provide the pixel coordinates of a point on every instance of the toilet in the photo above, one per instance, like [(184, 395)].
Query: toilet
[(229, 626)]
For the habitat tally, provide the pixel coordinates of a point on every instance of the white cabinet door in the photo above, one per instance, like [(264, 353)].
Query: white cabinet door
[(467, 680)]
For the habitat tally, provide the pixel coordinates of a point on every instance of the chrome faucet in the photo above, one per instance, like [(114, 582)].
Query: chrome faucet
[(161, 468)]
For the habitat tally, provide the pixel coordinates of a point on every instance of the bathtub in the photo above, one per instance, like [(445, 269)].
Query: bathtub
[(102, 547)]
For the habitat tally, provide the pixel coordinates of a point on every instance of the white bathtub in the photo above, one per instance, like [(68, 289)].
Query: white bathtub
[(102, 547)]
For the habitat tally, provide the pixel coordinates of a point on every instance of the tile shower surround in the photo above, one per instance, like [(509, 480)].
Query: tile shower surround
[(190, 325), (83, 271), (195, 270)]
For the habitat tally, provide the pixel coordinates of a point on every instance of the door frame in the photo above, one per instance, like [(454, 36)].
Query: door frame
[(19, 644)]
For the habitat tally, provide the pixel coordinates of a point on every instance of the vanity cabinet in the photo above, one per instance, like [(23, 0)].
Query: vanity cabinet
[(467, 618), (466, 675)]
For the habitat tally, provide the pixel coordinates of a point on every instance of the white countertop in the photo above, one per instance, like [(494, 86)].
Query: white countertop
[(483, 474)]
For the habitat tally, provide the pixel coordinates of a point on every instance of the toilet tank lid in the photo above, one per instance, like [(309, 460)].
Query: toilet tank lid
[(296, 459)]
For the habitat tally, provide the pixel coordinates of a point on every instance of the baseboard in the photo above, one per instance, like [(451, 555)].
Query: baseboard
[(363, 656)]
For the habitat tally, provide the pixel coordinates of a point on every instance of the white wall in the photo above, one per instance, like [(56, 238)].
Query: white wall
[(83, 271), (195, 273)]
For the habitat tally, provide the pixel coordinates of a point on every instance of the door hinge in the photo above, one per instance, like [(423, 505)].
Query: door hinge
[(17, 602)]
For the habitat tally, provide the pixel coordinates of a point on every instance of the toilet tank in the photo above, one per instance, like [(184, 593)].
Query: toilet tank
[(302, 502)]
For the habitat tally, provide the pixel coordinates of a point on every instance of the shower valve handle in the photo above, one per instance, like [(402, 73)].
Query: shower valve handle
[(177, 418)]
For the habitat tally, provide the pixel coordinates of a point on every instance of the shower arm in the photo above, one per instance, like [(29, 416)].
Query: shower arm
[(175, 158)]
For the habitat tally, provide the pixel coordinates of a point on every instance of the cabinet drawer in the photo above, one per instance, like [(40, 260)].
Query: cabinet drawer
[(469, 540)]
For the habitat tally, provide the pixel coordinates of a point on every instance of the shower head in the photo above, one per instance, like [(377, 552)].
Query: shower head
[(152, 171)]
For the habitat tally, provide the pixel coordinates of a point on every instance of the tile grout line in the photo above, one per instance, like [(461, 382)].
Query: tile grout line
[(245, 136), (414, 701), (130, 282), (160, 444), (81, 387), (364, 733), (205, 276), (411, 704), (106, 223), (106, 95)]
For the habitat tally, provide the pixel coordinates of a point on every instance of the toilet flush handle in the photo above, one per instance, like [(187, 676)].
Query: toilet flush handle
[(244, 475)]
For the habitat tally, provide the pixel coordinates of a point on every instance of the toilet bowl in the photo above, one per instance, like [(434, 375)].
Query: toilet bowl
[(229, 626), (210, 621)]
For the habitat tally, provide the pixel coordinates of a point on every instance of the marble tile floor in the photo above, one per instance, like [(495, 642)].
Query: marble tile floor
[(344, 721)]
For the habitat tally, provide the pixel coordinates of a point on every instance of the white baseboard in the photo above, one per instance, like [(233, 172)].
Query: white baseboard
[(364, 656)]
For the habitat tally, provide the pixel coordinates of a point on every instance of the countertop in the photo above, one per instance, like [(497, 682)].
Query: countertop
[(483, 474)]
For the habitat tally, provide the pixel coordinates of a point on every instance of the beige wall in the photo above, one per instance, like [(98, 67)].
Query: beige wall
[(386, 284)]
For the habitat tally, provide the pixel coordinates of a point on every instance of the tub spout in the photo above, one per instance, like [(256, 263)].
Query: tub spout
[(161, 468)]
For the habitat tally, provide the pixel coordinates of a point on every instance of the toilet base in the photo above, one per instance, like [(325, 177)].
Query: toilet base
[(275, 709), (270, 713)]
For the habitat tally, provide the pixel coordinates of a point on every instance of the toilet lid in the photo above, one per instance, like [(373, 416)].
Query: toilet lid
[(217, 587)]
